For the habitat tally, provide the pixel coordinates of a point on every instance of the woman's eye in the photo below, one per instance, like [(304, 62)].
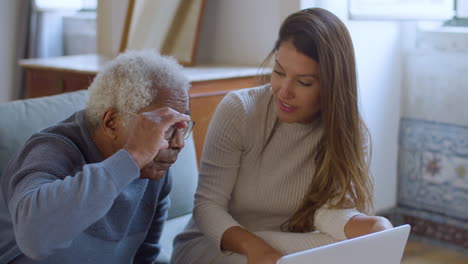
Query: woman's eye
[(279, 73), (304, 83)]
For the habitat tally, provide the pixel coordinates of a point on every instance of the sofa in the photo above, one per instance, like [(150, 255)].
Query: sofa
[(20, 119)]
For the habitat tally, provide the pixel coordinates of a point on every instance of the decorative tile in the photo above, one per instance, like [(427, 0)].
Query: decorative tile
[(433, 168)]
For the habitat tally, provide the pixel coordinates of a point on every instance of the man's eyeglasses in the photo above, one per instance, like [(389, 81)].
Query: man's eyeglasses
[(170, 132), (184, 131)]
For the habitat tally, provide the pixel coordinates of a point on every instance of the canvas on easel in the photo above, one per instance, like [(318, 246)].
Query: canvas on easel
[(170, 27)]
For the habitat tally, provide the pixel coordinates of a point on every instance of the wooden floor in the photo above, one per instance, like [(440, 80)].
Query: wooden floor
[(419, 253)]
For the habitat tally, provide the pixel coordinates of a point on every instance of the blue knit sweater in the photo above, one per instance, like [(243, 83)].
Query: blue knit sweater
[(62, 202)]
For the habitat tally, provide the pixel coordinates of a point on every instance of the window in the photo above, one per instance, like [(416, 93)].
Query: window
[(461, 15), (402, 9), (62, 28), (67, 5)]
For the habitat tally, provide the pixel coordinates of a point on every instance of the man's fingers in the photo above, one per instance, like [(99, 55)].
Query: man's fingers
[(164, 144), (173, 117), (168, 115), (182, 124)]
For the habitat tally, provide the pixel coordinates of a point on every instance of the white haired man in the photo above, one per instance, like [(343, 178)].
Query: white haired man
[(94, 187)]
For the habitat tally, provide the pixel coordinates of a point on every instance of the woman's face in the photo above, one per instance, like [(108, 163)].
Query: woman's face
[(295, 83)]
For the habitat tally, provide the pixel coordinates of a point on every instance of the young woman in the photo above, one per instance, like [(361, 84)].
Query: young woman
[(284, 165)]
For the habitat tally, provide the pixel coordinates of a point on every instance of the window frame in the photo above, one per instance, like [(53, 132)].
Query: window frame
[(79, 5), (401, 9)]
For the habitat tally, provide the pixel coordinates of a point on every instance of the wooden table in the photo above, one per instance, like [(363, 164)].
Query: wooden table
[(209, 83)]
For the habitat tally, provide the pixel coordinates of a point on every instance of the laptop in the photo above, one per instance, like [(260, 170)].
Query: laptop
[(384, 247)]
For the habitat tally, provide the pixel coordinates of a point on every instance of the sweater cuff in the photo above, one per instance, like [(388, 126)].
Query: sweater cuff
[(121, 168), (215, 226), (333, 221), (220, 235), (217, 233)]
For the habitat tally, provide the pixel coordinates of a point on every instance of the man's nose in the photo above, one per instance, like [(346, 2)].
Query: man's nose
[(177, 140)]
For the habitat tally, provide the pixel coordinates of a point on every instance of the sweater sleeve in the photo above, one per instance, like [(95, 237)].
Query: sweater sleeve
[(333, 221), (150, 249), (219, 169), (52, 197)]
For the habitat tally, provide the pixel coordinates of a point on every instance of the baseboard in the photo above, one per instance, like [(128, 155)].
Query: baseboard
[(431, 228)]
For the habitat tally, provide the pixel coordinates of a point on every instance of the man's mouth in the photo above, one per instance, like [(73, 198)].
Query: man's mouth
[(163, 165)]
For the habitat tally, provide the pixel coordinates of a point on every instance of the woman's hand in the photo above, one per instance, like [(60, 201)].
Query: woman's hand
[(265, 255), (360, 225), (239, 240), (379, 224)]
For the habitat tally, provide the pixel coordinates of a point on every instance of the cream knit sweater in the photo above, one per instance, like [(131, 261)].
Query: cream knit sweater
[(246, 182)]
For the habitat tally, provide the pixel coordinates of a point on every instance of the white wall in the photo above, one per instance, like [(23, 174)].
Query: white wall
[(242, 31), (10, 27), (379, 62), (435, 80)]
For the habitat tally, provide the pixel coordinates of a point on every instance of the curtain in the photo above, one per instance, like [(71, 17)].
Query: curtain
[(14, 25)]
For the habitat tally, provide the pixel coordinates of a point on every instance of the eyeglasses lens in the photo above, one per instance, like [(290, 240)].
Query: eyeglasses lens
[(184, 131)]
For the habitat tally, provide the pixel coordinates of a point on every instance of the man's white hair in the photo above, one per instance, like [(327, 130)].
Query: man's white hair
[(131, 81)]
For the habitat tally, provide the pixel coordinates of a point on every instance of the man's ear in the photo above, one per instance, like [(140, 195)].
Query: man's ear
[(111, 122)]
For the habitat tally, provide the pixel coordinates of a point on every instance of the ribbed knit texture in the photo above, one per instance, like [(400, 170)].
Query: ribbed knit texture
[(246, 182)]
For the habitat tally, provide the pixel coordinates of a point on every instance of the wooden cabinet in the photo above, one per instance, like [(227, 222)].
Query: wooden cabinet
[(42, 82), (71, 73), (205, 96)]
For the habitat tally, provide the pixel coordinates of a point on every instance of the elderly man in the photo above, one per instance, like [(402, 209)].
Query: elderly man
[(94, 187)]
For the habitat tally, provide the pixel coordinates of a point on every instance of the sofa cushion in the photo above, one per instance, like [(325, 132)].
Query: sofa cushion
[(22, 118), (171, 229)]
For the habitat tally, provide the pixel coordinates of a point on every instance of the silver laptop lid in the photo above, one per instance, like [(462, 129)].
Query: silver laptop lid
[(385, 247)]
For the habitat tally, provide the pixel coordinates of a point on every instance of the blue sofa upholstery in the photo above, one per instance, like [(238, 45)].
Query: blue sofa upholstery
[(20, 119)]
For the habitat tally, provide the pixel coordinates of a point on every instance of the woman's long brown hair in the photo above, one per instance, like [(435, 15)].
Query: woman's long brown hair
[(342, 178)]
